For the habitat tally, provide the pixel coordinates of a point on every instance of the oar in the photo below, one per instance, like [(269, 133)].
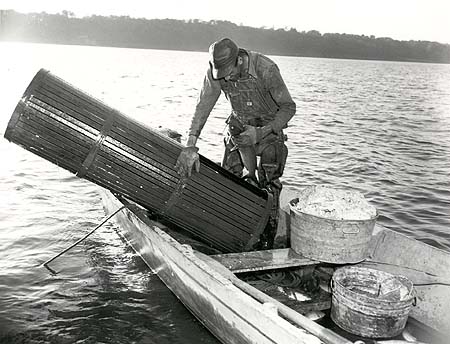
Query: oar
[(309, 325), (83, 238)]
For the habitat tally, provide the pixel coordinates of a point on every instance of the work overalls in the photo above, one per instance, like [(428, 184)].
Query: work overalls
[(253, 105)]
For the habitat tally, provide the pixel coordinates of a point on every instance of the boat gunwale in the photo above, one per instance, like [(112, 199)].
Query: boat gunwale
[(192, 256), (136, 213)]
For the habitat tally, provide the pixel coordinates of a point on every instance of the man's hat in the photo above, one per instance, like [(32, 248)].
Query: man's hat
[(224, 54)]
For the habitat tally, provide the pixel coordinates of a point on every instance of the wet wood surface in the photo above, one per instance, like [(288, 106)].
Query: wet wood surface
[(77, 132), (231, 315), (263, 260)]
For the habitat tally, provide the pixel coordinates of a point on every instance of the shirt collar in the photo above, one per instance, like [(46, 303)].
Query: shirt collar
[(251, 61), (251, 64)]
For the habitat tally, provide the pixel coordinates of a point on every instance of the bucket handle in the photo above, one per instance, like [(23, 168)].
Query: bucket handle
[(332, 284), (349, 230)]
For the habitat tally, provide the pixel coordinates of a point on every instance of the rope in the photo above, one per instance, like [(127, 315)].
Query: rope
[(83, 238)]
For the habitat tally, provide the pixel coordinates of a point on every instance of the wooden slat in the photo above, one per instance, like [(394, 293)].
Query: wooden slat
[(99, 177), (39, 148), (43, 126), (139, 183), (207, 178), (229, 204), (215, 219), (145, 160), (58, 144), (78, 98), (78, 132), (27, 134), (211, 223), (202, 227), (173, 149), (215, 189), (215, 210), (47, 122), (223, 208), (263, 260), (196, 231), (228, 184), (138, 168), (64, 105), (194, 209), (209, 170)]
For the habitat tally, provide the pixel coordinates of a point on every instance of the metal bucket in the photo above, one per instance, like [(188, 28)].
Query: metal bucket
[(370, 303), (327, 240)]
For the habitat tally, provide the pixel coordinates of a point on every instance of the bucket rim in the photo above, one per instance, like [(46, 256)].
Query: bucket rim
[(362, 300), (296, 200), (409, 299)]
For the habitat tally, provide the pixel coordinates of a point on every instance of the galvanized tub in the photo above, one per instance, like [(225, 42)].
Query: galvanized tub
[(328, 240), (370, 303)]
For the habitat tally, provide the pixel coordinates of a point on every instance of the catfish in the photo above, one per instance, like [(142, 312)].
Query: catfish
[(247, 153)]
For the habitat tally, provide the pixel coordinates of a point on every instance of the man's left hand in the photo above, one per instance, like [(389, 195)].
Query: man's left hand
[(249, 137)]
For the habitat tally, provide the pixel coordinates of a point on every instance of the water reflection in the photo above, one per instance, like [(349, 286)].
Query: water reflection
[(379, 127)]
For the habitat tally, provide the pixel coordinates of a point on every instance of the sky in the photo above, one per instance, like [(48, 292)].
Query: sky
[(399, 19)]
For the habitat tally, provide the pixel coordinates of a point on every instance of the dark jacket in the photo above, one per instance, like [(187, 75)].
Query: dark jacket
[(258, 97)]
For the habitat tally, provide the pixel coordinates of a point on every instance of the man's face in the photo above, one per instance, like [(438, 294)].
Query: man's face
[(233, 75)]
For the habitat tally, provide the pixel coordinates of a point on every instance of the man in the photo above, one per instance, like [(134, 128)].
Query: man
[(261, 108)]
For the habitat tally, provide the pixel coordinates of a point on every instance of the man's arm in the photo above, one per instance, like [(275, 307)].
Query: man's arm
[(209, 94), (280, 94), (189, 157)]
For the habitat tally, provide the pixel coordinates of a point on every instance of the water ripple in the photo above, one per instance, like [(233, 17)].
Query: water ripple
[(382, 128)]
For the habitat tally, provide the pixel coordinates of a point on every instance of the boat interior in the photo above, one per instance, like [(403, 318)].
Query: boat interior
[(300, 283)]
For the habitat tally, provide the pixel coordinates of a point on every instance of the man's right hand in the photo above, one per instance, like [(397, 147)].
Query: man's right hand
[(187, 159)]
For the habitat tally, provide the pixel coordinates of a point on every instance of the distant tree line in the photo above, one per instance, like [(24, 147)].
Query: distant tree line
[(196, 35)]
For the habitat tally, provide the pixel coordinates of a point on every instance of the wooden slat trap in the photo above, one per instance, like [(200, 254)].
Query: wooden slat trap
[(68, 127)]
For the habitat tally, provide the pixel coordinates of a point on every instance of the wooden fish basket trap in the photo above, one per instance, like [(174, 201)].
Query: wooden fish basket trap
[(81, 134)]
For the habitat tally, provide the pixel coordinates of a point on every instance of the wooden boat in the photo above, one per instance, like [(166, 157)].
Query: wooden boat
[(79, 133), (211, 285)]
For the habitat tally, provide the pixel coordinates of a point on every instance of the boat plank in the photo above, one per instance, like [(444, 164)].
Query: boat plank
[(263, 260)]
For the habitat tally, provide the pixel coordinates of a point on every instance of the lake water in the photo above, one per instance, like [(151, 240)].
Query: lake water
[(382, 128)]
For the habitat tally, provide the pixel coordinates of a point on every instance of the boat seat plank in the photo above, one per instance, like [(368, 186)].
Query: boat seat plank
[(263, 260)]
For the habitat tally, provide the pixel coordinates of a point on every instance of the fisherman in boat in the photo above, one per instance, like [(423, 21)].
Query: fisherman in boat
[(261, 108)]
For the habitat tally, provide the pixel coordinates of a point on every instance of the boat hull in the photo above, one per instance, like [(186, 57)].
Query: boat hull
[(233, 316), (426, 266), (229, 314)]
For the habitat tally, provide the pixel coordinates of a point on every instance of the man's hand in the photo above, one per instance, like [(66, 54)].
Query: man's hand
[(187, 159), (249, 137)]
